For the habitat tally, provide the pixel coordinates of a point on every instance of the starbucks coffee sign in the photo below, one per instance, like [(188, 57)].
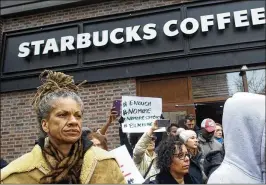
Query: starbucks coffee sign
[(136, 33)]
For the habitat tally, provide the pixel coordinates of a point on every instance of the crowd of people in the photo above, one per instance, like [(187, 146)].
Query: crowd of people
[(188, 153)]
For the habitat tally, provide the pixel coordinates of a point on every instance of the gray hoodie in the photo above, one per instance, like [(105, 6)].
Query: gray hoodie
[(244, 141)]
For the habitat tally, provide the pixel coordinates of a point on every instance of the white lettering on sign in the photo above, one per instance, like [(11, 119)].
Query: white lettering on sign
[(258, 16), (137, 33), (132, 34), (24, 49), (83, 40), (37, 46), (113, 36), (195, 26), (67, 43), (166, 28), (241, 18), (206, 21), (100, 42), (139, 113), (150, 32), (223, 18), (50, 46)]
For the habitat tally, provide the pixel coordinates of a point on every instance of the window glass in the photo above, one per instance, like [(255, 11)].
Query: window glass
[(256, 81), (217, 85)]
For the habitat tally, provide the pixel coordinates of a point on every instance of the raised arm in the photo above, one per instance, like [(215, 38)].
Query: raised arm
[(142, 144), (112, 117)]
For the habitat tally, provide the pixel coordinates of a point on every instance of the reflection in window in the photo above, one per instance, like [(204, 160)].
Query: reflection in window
[(256, 81), (217, 85), (175, 117)]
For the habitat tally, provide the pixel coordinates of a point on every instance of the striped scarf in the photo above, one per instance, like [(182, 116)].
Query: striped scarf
[(65, 170)]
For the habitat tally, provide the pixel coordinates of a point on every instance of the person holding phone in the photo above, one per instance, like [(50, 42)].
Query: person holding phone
[(144, 153), (98, 136), (113, 114)]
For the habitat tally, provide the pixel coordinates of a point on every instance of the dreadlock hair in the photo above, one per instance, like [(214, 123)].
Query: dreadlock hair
[(54, 85)]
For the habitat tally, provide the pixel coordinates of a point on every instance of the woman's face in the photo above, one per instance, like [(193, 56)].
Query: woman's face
[(151, 146), (192, 142), (218, 132), (64, 122), (180, 161)]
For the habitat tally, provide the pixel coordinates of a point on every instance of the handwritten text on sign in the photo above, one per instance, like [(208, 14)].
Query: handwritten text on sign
[(127, 165), (140, 112)]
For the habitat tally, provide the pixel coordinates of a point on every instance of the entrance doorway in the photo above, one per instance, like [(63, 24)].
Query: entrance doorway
[(213, 110), (202, 96)]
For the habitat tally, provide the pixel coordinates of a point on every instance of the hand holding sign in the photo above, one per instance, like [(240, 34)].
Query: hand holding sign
[(153, 127), (127, 165), (140, 113)]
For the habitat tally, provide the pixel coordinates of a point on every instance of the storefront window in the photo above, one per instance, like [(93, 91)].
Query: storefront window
[(175, 117), (256, 81), (217, 85)]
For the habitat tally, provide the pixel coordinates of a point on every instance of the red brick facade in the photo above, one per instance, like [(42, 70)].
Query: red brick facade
[(83, 12), (19, 128)]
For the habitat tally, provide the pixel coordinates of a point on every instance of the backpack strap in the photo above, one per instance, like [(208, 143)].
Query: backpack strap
[(148, 168)]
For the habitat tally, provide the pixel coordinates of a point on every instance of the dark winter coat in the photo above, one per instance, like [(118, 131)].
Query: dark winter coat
[(195, 168), (3, 163), (212, 161), (208, 146), (197, 129), (167, 178)]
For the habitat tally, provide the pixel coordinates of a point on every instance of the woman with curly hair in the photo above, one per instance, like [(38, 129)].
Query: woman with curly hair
[(173, 161), (62, 156)]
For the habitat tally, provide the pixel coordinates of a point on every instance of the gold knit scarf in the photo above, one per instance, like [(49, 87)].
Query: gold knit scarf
[(63, 169)]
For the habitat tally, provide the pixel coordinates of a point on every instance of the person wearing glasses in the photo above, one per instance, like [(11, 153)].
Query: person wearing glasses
[(173, 161), (144, 153)]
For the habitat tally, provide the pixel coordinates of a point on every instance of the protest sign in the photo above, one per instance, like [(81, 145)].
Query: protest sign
[(127, 165), (139, 113)]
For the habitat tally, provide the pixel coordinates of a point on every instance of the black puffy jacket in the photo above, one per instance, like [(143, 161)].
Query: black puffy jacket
[(212, 161), (167, 178), (195, 170)]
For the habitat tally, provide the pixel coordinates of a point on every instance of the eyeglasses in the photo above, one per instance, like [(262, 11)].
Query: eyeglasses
[(182, 156)]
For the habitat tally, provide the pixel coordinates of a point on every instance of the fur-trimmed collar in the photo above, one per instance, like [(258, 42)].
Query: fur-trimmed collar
[(35, 160)]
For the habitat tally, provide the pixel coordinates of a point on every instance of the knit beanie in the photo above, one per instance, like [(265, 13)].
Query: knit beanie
[(179, 130), (186, 134)]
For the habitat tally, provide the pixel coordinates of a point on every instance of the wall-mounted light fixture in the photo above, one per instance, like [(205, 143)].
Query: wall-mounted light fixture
[(243, 74)]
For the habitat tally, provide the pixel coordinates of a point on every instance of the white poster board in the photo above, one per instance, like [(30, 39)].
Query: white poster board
[(127, 165), (139, 113)]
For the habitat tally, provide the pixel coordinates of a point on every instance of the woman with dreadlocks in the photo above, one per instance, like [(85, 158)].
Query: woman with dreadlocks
[(62, 156)]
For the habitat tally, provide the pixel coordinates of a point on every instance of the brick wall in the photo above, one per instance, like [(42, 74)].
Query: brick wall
[(82, 12), (19, 128)]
